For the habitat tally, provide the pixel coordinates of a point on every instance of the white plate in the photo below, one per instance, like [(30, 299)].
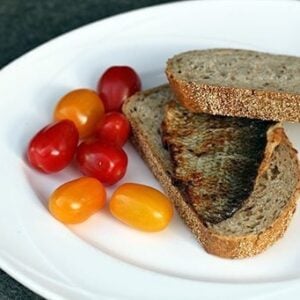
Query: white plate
[(102, 259)]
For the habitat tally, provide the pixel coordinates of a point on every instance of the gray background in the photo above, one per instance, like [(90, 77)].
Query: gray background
[(25, 24)]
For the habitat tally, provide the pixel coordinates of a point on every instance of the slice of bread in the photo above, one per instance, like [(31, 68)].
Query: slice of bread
[(239, 83), (215, 159), (257, 221)]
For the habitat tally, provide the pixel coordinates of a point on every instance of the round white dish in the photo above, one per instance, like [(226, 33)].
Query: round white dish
[(101, 258)]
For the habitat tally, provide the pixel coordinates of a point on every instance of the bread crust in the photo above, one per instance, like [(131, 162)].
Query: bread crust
[(214, 243), (235, 102)]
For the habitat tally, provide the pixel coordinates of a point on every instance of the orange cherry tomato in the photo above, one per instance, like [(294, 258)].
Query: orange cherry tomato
[(83, 107), (141, 206), (76, 200)]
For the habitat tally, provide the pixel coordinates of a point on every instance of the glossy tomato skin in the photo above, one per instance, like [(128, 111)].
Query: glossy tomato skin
[(76, 200), (102, 161), (83, 107), (53, 148), (141, 207), (114, 129), (116, 84)]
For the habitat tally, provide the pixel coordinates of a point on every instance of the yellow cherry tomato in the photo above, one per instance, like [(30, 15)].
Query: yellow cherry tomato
[(83, 107), (141, 206), (76, 200)]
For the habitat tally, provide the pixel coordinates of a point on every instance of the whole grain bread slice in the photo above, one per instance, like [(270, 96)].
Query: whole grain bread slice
[(261, 219), (240, 83)]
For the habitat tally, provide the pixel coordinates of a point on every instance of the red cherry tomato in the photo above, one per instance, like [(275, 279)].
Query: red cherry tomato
[(53, 148), (116, 84), (102, 161), (114, 129)]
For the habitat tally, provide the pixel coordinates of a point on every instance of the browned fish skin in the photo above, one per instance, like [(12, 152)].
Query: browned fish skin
[(215, 159)]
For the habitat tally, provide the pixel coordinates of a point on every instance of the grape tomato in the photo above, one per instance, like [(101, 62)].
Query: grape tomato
[(53, 147), (116, 84), (76, 200), (141, 207), (83, 107), (102, 161), (114, 129)]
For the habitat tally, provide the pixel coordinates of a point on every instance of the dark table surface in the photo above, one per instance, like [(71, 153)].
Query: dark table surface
[(27, 24)]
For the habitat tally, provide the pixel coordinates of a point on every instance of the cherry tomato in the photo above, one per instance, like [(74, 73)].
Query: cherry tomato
[(114, 129), (102, 161), (76, 200), (83, 107), (116, 84), (141, 207), (53, 148)]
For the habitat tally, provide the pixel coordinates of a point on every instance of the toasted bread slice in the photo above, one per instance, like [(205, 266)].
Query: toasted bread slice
[(237, 83), (215, 159), (264, 212)]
